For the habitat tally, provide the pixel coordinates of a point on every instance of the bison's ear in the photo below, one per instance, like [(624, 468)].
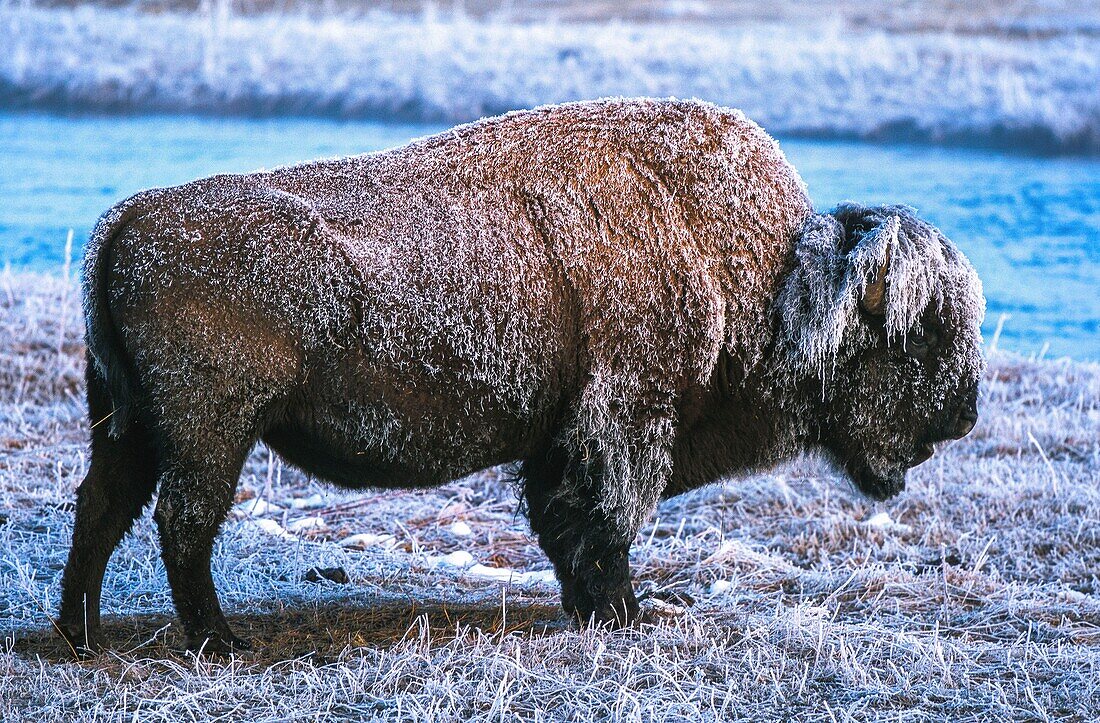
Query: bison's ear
[(814, 305), (842, 266), (869, 240)]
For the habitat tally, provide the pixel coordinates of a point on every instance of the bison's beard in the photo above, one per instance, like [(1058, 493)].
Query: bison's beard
[(876, 483), (884, 479)]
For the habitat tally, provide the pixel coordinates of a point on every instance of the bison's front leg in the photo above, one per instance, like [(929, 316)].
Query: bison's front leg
[(586, 531), (590, 559)]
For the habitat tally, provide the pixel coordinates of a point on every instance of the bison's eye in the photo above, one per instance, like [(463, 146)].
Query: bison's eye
[(919, 342)]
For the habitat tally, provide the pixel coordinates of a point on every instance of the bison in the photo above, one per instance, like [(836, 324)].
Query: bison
[(627, 298)]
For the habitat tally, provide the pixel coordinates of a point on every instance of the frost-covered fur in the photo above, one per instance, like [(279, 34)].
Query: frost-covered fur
[(818, 305), (631, 298)]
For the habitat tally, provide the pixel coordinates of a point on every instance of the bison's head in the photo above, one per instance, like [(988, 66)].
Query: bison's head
[(880, 320)]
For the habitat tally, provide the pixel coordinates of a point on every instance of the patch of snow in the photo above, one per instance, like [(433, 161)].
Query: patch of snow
[(461, 529), (460, 558), (312, 502), (508, 575), (307, 523), (503, 574), (272, 527), (1072, 596), (256, 507), (882, 519), (538, 577), (720, 587), (367, 539), (465, 561), (663, 608)]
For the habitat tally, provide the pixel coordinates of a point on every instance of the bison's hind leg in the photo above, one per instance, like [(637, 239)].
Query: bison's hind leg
[(119, 483), (206, 427), (196, 491)]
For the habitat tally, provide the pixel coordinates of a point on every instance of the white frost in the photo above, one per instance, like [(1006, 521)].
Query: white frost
[(827, 79)]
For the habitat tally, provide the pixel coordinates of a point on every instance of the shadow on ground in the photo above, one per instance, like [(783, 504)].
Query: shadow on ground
[(315, 631)]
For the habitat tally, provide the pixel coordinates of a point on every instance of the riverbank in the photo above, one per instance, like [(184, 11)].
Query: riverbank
[(973, 596), (1020, 79)]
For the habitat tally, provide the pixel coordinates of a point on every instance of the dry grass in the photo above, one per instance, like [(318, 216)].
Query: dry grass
[(978, 601)]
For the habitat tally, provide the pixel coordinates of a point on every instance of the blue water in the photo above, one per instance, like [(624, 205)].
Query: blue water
[(1031, 226)]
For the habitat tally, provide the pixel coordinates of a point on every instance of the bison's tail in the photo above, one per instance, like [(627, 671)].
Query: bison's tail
[(104, 343)]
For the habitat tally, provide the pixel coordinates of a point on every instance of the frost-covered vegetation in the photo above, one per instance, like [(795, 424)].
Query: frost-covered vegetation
[(972, 596), (1025, 76)]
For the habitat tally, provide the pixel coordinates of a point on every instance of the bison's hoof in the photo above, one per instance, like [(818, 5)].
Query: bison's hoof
[(605, 614), (217, 644), (82, 643)]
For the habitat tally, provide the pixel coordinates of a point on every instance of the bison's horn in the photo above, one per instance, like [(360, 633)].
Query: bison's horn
[(874, 294)]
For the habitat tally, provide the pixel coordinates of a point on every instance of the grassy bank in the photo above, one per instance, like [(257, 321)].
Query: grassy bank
[(972, 596)]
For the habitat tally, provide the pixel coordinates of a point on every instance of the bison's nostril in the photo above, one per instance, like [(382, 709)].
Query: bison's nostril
[(965, 422), (963, 427)]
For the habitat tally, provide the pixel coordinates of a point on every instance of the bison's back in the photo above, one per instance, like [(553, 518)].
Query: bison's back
[(666, 223), (457, 301)]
